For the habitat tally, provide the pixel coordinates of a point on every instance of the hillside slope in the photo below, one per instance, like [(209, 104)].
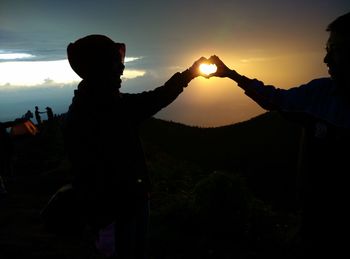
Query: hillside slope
[(263, 149)]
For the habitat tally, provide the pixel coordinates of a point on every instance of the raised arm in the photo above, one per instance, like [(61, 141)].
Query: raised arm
[(267, 96), (146, 104)]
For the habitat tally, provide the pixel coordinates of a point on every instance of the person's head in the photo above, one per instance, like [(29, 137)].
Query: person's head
[(338, 50), (97, 57)]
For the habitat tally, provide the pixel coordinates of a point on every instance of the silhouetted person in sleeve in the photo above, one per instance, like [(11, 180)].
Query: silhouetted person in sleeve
[(37, 116), (322, 106), (49, 113), (110, 174)]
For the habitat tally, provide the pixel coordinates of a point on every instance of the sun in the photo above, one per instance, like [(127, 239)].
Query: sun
[(207, 69)]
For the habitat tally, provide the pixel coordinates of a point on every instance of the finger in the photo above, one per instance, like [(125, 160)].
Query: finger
[(201, 60), (214, 59)]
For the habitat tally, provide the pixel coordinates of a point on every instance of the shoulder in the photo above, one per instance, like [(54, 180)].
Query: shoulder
[(315, 86), (324, 82)]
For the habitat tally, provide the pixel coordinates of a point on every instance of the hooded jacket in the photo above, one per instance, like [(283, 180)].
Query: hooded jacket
[(102, 141)]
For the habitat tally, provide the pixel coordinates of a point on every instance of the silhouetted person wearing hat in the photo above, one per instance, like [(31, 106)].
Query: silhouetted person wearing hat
[(110, 174)]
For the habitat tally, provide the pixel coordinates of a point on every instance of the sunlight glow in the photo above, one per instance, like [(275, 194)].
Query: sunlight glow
[(207, 69), (36, 73), (130, 74), (31, 73), (14, 56), (130, 59), (4, 55)]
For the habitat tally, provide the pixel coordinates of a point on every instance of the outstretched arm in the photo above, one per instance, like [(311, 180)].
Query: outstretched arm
[(148, 103), (225, 71), (255, 89), (268, 97)]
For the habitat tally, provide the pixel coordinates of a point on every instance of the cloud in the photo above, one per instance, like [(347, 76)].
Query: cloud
[(254, 60), (131, 59), (131, 74), (31, 73), (14, 56), (15, 74)]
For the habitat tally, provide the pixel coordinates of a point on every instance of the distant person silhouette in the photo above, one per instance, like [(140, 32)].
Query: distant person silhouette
[(110, 173), (322, 106), (6, 151), (28, 115), (38, 116), (49, 113)]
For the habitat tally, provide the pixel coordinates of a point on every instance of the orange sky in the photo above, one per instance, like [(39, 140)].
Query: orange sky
[(219, 101)]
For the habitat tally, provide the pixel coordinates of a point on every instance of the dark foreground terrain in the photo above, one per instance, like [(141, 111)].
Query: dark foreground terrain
[(224, 192)]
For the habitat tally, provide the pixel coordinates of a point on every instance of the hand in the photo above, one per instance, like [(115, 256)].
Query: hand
[(194, 69), (222, 69), (225, 71)]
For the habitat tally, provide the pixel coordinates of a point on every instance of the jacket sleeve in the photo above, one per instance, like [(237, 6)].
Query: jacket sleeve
[(295, 99), (144, 105)]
